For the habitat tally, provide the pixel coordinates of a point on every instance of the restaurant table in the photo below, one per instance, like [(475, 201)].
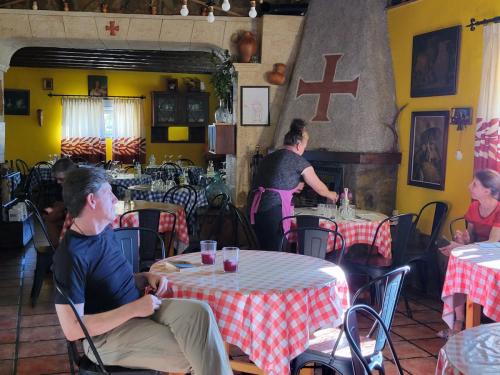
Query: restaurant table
[(361, 229), (270, 306), (132, 220), (474, 273), (472, 351), (129, 179), (194, 172)]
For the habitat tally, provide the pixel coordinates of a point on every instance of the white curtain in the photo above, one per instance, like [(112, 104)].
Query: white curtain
[(128, 118), (487, 140), (82, 117)]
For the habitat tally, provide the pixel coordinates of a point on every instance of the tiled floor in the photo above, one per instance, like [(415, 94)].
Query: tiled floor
[(32, 343)]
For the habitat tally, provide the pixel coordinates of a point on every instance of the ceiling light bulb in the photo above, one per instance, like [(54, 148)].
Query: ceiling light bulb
[(184, 10), (226, 6), (210, 17), (253, 12)]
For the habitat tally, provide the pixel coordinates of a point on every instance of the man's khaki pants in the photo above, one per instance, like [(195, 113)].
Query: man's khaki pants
[(181, 336)]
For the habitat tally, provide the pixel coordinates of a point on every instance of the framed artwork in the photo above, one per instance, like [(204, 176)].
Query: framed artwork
[(428, 144), (98, 85), (461, 117), (17, 102), (47, 83), (172, 84), (254, 106), (434, 66)]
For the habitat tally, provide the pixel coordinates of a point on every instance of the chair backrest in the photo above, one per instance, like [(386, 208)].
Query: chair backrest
[(130, 239), (211, 223), (43, 238), (22, 167), (391, 284), (119, 190), (240, 221), (150, 218), (302, 221), (454, 223), (166, 168), (359, 363), (313, 241), (186, 162), (184, 195), (439, 217)]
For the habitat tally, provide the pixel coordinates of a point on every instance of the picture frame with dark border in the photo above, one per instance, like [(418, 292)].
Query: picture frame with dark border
[(47, 84), (98, 85), (428, 147), (435, 58), (254, 109), (17, 102)]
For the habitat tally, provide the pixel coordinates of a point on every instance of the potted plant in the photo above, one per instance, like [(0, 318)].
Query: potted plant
[(222, 81)]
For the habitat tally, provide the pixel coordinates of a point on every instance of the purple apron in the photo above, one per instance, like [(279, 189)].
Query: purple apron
[(286, 204)]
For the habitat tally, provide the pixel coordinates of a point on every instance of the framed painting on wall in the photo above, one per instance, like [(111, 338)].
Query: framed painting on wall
[(255, 106), (434, 67), (428, 144), (17, 102), (98, 85)]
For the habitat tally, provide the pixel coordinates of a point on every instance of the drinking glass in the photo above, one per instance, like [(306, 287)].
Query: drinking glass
[(332, 211), (208, 251), (230, 256), (322, 209)]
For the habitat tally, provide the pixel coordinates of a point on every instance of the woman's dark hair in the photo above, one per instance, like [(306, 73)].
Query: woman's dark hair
[(63, 165), (295, 133), (490, 179), (78, 184)]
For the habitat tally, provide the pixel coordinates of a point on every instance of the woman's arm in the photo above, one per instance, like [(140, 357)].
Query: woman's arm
[(494, 235), (312, 179)]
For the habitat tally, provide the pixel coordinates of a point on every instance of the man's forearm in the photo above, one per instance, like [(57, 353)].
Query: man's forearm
[(97, 324)]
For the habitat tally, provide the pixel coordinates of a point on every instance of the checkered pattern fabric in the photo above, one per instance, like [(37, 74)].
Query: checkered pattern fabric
[(132, 220), (15, 179), (357, 232), (45, 175), (142, 180), (473, 351), (194, 172), (271, 305), (473, 270)]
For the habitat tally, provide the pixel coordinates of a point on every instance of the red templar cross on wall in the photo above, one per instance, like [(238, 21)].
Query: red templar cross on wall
[(327, 87), (112, 28)]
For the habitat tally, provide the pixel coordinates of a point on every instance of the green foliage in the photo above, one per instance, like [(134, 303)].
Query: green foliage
[(222, 78)]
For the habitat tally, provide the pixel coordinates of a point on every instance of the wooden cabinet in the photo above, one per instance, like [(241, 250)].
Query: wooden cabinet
[(222, 139), (181, 109)]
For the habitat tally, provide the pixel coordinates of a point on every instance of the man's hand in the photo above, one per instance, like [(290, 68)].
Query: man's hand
[(157, 282), (48, 210), (146, 305), (332, 196)]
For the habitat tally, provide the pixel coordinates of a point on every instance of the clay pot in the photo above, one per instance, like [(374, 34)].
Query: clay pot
[(277, 76), (247, 46)]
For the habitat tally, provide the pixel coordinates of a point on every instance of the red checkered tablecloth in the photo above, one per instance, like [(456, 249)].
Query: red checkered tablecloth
[(271, 305), (473, 271), (132, 220), (473, 351), (357, 230)]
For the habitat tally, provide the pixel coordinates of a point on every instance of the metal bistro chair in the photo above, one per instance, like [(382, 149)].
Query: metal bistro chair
[(23, 168), (85, 365), (186, 162), (130, 239), (150, 218), (241, 227), (119, 190), (313, 241), (329, 347), (464, 225), (166, 170), (186, 196), (44, 251), (359, 363)]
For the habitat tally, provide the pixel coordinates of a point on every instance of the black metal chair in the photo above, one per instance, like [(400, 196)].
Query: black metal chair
[(84, 364), (46, 189), (150, 218), (359, 362), (186, 162), (422, 250), (329, 347), (130, 239), (454, 223), (241, 227), (373, 265), (166, 171), (187, 197), (44, 251), (119, 190), (23, 168), (313, 241)]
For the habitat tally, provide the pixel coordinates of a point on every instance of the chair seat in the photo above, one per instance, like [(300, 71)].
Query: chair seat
[(87, 367), (324, 340)]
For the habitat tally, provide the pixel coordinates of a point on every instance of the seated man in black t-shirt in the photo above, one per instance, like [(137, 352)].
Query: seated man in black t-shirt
[(178, 334)]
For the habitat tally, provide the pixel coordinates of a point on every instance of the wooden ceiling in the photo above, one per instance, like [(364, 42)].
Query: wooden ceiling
[(146, 61)]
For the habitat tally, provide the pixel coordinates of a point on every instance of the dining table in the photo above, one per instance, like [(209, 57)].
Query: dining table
[(270, 306), (360, 229), (473, 278), (170, 173), (472, 351)]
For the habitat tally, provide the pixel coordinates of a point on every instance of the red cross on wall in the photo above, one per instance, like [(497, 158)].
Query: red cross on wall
[(112, 28), (327, 87)]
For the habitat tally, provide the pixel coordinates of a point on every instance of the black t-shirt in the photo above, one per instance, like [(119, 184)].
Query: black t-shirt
[(281, 170), (94, 271)]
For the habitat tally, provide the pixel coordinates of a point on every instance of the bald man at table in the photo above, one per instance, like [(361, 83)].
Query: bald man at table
[(129, 329)]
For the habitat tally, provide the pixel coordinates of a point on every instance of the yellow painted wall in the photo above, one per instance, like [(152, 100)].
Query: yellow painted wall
[(420, 17), (26, 140)]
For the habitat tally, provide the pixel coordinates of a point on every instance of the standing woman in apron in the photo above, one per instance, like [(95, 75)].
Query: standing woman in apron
[(278, 178)]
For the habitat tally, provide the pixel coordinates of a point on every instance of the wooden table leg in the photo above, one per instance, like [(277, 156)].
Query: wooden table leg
[(472, 314)]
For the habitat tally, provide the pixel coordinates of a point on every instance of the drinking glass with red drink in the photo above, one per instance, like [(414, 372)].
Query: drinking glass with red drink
[(208, 251), (230, 256)]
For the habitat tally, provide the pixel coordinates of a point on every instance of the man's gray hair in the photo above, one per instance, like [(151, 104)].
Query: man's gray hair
[(78, 184)]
